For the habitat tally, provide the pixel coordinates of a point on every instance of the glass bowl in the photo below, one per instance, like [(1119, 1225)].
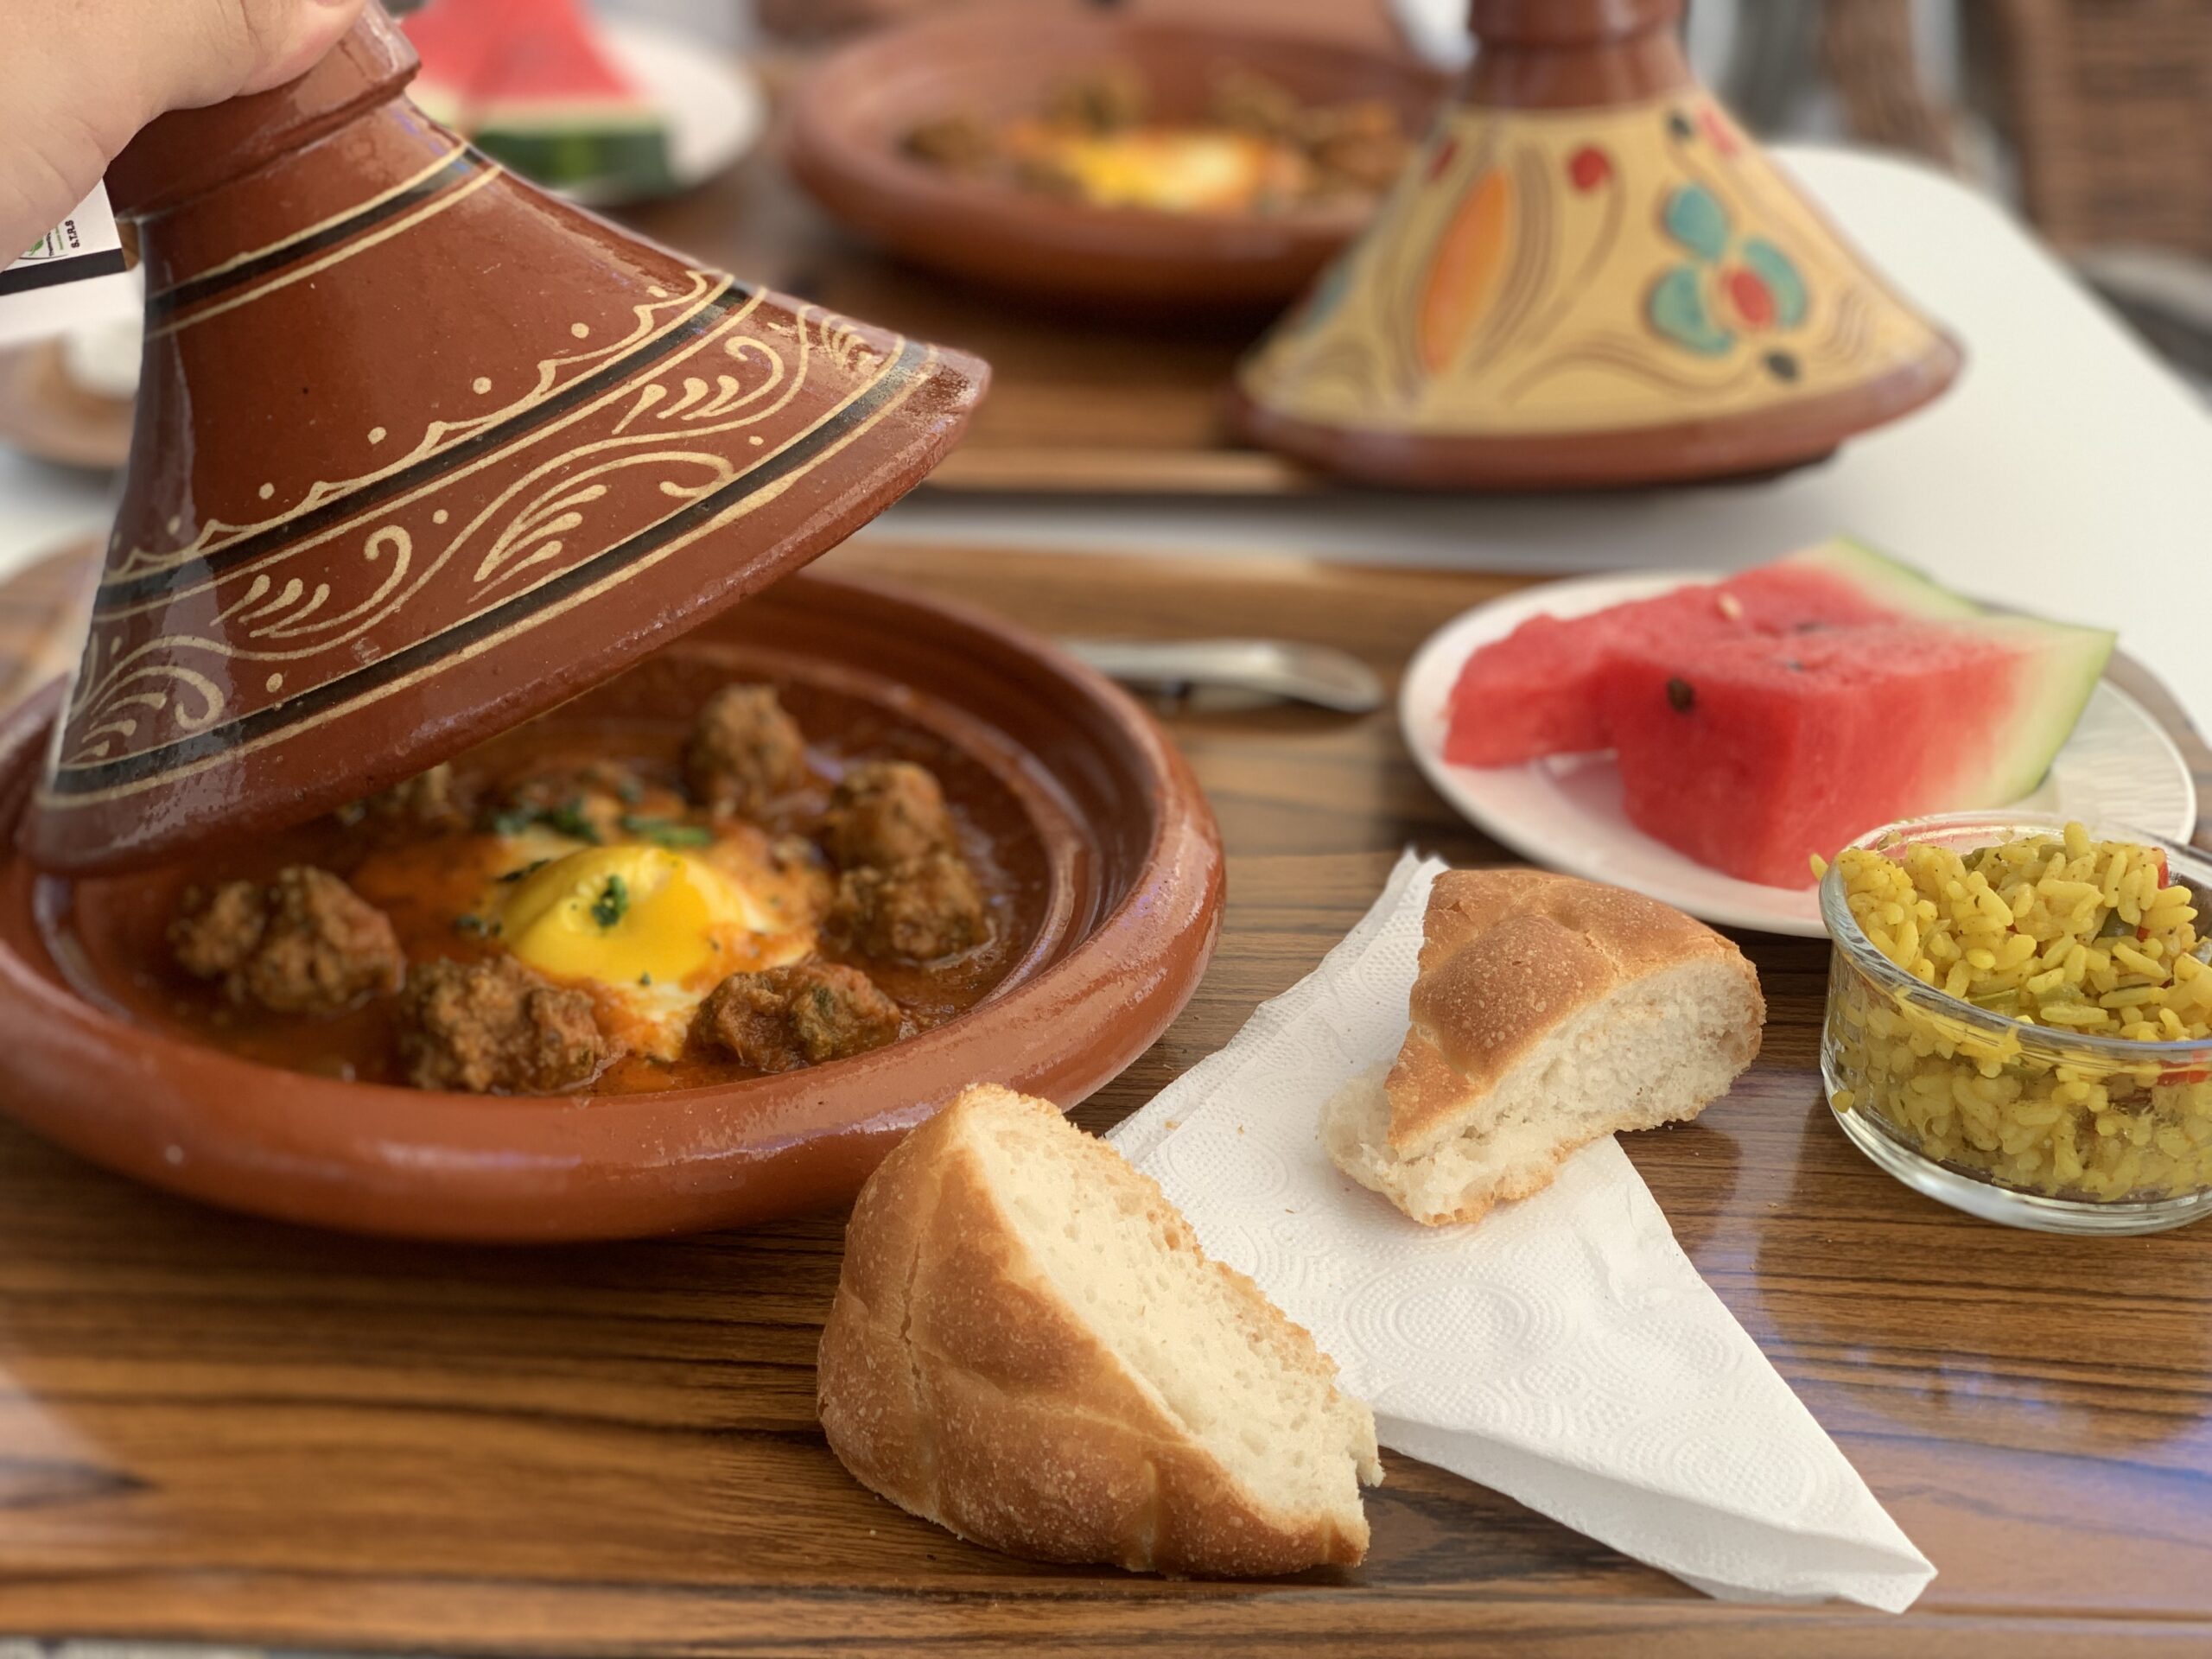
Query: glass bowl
[(2030, 1125)]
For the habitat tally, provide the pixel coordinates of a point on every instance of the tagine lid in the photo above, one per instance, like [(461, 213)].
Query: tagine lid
[(1589, 275), (421, 452)]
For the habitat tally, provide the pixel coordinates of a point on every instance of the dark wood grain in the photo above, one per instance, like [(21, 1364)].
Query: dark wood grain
[(223, 1429)]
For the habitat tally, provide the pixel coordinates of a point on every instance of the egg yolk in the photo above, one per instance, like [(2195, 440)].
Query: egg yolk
[(619, 915), (1185, 171)]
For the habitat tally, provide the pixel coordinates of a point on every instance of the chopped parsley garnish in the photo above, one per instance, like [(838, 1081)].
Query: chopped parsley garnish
[(666, 832), (567, 819), (645, 979), (613, 901), (475, 925), (527, 870)]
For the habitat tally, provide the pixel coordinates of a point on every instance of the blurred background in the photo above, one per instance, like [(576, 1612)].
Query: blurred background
[(2036, 174), (2088, 117)]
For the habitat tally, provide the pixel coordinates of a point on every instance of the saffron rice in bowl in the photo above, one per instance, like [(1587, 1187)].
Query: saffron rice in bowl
[(2020, 1019)]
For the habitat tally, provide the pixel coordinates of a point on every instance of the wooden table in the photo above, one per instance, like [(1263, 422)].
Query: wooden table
[(216, 1428)]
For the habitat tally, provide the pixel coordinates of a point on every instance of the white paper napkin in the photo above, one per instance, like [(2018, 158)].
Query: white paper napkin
[(1563, 1350)]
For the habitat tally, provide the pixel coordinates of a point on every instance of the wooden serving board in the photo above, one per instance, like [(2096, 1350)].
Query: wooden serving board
[(226, 1430)]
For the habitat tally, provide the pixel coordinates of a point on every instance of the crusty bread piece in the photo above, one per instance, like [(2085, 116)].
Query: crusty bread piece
[(1029, 1348), (1549, 1012)]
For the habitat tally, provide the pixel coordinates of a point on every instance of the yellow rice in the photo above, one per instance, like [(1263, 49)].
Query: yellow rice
[(2058, 936)]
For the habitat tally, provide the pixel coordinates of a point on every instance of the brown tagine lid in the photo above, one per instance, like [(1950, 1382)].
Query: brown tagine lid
[(422, 452), (1588, 275)]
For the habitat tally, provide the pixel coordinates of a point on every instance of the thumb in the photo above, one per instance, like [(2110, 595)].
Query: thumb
[(78, 78), (225, 48)]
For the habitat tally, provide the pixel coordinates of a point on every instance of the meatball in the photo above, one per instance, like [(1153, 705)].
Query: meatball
[(430, 800), (960, 142), (1359, 147), (744, 751), (496, 1027), (887, 814), (587, 802), (919, 912), (307, 944), (1105, 100), (215, 934), (803, 1015)]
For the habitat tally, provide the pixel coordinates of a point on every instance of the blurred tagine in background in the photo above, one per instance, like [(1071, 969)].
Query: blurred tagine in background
[(1589, 275)]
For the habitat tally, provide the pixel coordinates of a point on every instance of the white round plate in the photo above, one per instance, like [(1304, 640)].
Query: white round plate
[(716, 108), (2119, 766)]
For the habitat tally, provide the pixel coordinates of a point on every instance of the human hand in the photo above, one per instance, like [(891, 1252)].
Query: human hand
[(78, 78)]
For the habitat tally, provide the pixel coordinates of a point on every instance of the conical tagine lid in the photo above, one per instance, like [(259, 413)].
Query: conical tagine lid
[(1589, 276), (422, 452)]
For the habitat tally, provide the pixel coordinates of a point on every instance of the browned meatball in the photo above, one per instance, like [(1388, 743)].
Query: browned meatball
[(496, 1027), (786, 1018), (745, 751), (1358, 147), (1107, 99), (430, 800), (307, 944), (215, 933), (885, 814), (587, 802), (960, 142), (919, 912)]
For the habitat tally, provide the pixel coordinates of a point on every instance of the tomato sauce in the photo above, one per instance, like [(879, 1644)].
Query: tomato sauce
[(110, 932)]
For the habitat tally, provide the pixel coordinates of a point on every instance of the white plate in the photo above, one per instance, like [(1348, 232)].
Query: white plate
[(716, 108), (2119, 766)]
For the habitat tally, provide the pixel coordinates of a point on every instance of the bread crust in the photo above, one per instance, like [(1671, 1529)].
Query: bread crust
[(1507, 957), (956, 1382)]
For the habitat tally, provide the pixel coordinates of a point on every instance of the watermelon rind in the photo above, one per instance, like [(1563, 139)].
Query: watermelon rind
[(1893, 582), (2072, 660), (607, 154)]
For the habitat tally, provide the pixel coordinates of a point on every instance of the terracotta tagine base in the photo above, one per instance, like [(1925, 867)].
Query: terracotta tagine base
[(1590, 276), (1135, 884), (850, 118)]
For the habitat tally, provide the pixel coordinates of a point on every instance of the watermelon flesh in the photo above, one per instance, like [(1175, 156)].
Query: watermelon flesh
[(1536, 692), (1752, 754), (529, 83)]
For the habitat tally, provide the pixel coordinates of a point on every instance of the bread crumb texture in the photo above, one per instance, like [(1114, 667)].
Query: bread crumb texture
[(1547, 1012)]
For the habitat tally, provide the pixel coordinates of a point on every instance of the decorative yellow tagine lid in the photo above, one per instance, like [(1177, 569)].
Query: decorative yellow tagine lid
[(1588, 275)]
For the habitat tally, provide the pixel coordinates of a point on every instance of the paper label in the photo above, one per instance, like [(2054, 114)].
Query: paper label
[(45, 290)]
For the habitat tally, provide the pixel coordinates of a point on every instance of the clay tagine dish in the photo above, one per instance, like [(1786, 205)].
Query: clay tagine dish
[(913, 136), (1590, 276), (429, 841)]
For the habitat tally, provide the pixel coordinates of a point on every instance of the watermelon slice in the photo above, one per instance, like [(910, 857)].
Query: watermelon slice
[(530, 85), (1754, 752), (1535, 692)]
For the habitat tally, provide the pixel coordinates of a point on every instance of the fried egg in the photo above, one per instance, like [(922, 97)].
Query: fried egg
[(648, 928), (1170, 170)]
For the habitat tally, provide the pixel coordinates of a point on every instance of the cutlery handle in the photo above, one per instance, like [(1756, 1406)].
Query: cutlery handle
[(1303, 673)]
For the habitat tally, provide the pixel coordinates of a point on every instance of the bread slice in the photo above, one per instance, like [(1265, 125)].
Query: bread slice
[(1549, 1012), (1029, 1348)]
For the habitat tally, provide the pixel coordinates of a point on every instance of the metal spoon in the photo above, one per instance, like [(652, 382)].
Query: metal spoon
[(1276, 668)]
